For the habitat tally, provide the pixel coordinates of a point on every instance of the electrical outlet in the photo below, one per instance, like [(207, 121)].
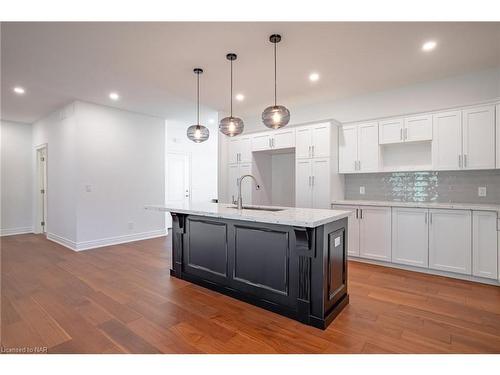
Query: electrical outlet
[(130, 225), (481, 191), (362, 190), (88, 188)]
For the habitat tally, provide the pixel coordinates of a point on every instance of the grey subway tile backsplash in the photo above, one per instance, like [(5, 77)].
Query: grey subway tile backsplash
[(437, 186)]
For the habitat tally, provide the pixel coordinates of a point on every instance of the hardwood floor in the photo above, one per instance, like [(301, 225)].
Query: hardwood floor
[(122, 299)]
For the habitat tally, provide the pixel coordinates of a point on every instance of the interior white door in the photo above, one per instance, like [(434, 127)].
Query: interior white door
[(368, 147), (447, 140), (450, 247), (352, 229), (418, 128), (321, 140), (410, 234), (303, 142), (321, 183), (245, 150), (284, 139), (479, 138), (178, 178), (484, 244), (348, 148), (261, 142), (390, 131), (375, 232), (303, 183)]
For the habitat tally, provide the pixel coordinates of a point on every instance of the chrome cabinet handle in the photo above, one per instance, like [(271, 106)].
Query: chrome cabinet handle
[(425, 220), (465, 160), (459, 161), (401, 134), (359, 165), (312, 151), (356, 213), (309, 180), (430, 217), (355, 165), (361, 213), (406, 134), (312, 178)]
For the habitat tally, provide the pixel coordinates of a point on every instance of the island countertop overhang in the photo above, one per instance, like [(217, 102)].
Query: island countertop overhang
[(299, 217)]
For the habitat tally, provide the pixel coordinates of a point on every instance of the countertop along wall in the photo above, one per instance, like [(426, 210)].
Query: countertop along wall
[(16, 178)]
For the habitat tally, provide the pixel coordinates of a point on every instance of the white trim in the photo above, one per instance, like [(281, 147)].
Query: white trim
[(87, 245), (14, 231), (426, 271)]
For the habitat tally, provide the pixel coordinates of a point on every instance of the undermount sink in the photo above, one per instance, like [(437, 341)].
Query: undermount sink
[(260, 208)]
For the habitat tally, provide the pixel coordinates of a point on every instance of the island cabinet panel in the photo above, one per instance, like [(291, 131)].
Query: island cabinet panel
[(299, 272), (206, 250), (270, 250)]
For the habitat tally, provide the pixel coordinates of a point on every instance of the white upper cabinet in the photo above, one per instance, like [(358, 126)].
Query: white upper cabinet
[(239, 150), (368, 147), (359, 148), (484, 244), (479, 138), (261, 142), (418, 128), (283, 139), (391, 131), (450, 242), (498, 134), (447, 141), (348, 149), (375, 233), (410, 235), (313, 141)]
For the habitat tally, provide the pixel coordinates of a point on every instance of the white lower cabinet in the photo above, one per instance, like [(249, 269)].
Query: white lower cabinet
[(375, 233), (410, 235), (450, 242), (352, 230), (484, 244)]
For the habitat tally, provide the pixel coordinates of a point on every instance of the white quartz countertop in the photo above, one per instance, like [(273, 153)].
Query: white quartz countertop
[(451, 206), (299, 217)]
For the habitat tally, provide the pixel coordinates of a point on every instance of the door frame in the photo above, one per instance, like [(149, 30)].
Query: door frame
[(41, 211)]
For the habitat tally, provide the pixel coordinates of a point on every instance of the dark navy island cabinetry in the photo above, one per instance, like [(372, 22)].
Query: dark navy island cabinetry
[(293, 263)]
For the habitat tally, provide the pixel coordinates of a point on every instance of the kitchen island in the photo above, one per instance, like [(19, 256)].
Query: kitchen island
[(292, 261)]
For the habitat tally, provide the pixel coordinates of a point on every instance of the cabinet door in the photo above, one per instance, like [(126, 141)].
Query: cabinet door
[(321, 183), (303, 141), (284, 139), (303, 183), (497, 116), (348, 148), (484, 244), (479, 138), (233, 150), (410, 234), (261, 142), (245, 149), (352, 229), (450, 240), (248, 183), (447, 140), (321, 140), (232, 177), (390, 131), (375, 233), (418, 128), (368, 147)]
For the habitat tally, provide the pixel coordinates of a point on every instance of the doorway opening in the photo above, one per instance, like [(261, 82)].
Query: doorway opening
[(41, 189)]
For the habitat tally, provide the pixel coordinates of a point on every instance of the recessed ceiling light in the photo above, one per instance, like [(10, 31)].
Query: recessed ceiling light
[(429, 45), (114, 96), (19, 90), (313, 77), (211, 121), (240, 97)]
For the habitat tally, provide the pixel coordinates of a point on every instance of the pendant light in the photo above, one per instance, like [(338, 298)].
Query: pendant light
[(198, 133), (231, 126), (275, 116)]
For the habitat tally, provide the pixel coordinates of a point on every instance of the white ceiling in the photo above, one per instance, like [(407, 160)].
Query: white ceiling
[(150, 64)]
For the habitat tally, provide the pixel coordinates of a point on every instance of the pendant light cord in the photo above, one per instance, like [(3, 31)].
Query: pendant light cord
[(198, 99), (275, 74), (231, 88)]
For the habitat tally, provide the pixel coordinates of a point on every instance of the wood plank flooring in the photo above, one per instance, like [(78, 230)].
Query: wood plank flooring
[(121, 299)]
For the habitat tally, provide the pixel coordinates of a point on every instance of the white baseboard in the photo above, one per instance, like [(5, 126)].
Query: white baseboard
[(14, 231), (93, 244), (426, 270)]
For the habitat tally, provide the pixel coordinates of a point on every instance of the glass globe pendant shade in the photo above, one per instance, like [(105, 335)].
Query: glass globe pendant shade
[(276, 116), (231, 126), (198, 133)]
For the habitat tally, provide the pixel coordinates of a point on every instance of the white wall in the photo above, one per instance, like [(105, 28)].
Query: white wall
[(283, 179), (104, 166), (16, 178), (121, 160)]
